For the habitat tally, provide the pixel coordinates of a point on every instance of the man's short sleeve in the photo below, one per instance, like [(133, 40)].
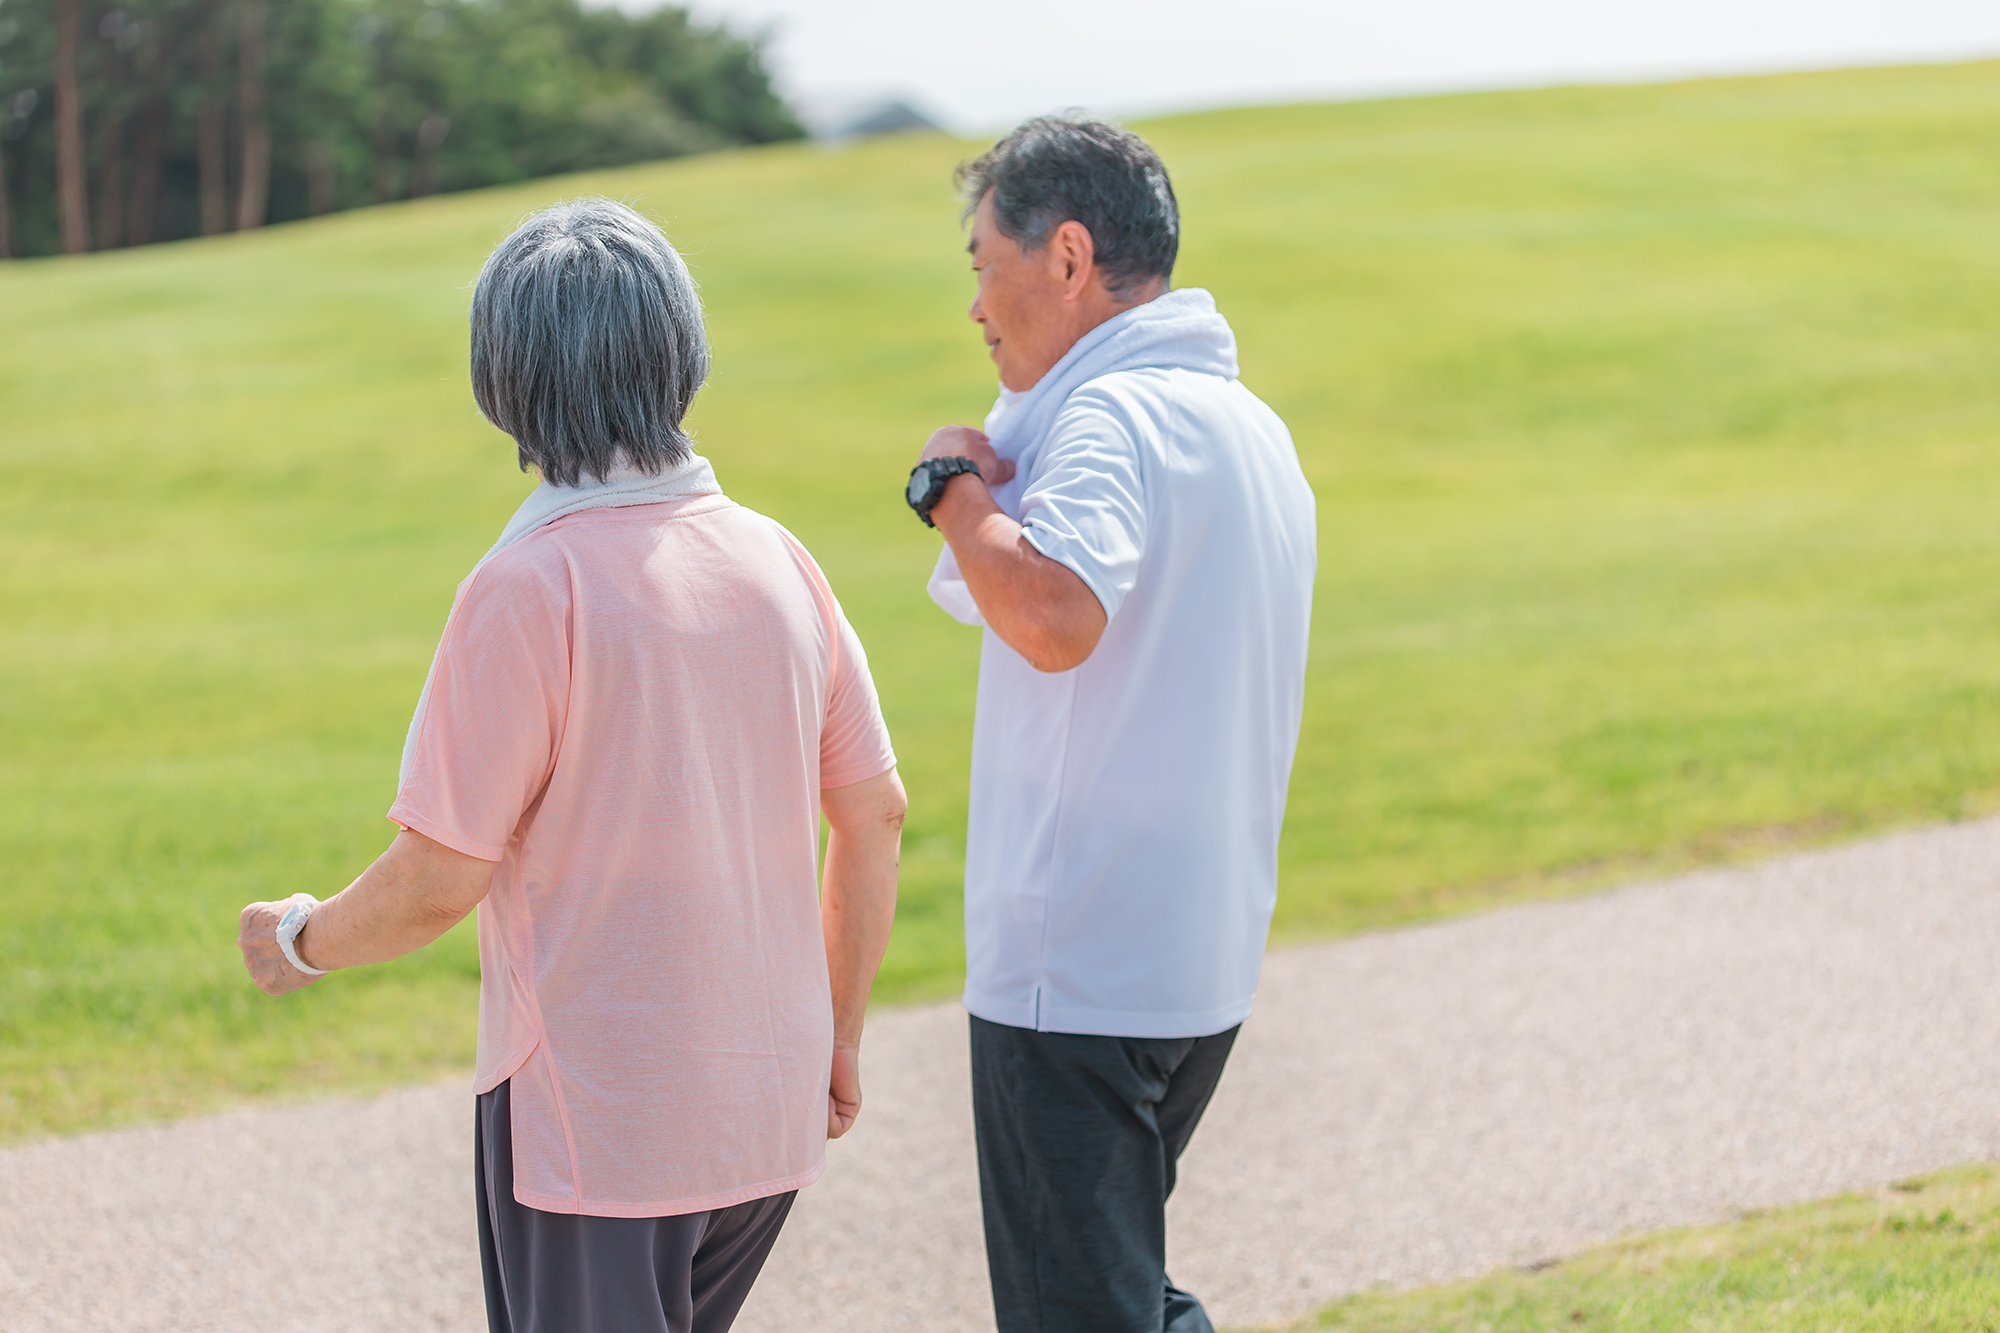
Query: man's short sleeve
[(498, 701), (1086, 507), (853, 740)]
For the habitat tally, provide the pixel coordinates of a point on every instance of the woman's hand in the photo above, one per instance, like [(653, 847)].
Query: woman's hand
[(413, 893), (843, 1095), (257, 936)]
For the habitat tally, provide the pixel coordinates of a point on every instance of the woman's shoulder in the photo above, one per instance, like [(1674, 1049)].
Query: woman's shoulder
[(536, 567), (776, 552)]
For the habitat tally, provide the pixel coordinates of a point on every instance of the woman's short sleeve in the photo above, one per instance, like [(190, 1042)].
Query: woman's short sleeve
[(499, 691), (854, 740)]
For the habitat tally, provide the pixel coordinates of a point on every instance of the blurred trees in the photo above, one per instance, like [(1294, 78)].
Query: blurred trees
[(128, 121)]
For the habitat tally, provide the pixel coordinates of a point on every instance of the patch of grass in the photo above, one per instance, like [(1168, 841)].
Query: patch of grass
[(1656, 433), (1924, 1254)]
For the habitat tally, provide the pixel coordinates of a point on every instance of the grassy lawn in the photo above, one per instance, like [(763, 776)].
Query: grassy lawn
[(1656, 433), (1923, 1255)]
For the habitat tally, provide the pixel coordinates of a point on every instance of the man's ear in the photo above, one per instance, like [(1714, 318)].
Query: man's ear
[(1070, 245)]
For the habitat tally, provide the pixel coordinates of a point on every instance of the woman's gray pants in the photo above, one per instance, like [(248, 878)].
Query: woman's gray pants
[(568, 1273), (1078, 1138)]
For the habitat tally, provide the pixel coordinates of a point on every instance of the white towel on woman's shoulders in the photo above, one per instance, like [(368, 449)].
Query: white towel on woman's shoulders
[(626, 485)]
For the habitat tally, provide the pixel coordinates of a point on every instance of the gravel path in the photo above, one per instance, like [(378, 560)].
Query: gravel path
[(1405, 1107)]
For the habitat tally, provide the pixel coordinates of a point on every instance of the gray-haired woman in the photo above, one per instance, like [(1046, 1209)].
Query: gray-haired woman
[(644, 697)]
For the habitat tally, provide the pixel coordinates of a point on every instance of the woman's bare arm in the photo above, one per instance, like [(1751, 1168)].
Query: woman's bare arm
[(413, 893), (864, 846)]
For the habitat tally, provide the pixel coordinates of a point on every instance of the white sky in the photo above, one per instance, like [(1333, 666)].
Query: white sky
[(983, 67)]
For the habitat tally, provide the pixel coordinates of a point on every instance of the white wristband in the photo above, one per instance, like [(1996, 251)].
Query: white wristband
[(289, 926)]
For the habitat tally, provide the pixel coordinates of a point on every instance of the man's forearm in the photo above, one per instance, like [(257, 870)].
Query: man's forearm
[(1038, 607), (413, 893)]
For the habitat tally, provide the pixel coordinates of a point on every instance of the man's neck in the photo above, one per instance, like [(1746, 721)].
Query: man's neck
[(1094, 307), (1100, 304)]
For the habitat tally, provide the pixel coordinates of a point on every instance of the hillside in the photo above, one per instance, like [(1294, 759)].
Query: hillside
[(1656, 433)]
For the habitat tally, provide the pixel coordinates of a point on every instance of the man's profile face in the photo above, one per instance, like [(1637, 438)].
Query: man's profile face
[(1020, 307)]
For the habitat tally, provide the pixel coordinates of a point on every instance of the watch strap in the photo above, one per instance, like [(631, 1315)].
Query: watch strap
[(289, 926), (940, 471)]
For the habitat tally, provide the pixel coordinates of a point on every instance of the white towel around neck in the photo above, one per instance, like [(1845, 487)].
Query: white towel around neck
[(1179, 329), (626, 485)]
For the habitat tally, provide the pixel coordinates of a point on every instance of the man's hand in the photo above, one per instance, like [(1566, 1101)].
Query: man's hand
[(1039, 608), (965, 442), (258, 938), (843, 1095)]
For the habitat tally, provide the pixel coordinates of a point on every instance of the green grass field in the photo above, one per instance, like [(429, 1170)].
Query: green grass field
[(1656, 433), (1923, 1255)]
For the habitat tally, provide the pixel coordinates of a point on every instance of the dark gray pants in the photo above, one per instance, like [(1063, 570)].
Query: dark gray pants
[(568, 1273), (1078, 1138)]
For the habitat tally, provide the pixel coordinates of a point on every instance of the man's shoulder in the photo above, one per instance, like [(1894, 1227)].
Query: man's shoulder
[(1170, 400), (1147, 387), (1132, 384), (1137, 402)]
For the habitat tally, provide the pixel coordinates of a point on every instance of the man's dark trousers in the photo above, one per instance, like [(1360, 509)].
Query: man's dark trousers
[(1078, 1139)]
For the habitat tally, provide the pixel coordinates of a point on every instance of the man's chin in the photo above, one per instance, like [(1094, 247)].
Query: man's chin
[(1000, 367)]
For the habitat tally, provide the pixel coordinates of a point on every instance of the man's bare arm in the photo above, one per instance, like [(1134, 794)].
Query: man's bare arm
[(1038, 606), (413, 893), (864, 846)]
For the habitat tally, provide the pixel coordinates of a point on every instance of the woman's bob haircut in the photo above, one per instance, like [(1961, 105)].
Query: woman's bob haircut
[(587, 343)]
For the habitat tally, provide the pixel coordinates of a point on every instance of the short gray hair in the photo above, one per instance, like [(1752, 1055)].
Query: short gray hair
[(1057, 169), (587, 342)]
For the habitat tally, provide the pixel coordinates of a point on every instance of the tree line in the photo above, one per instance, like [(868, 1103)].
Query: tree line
[(129, 121)]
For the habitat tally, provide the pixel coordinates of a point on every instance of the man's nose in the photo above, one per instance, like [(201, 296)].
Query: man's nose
[(975, 312)]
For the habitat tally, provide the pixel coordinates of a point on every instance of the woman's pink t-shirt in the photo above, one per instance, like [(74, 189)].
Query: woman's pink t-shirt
[(634, 711)]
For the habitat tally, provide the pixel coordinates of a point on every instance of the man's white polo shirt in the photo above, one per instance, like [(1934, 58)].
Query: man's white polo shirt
[(1121, 854)]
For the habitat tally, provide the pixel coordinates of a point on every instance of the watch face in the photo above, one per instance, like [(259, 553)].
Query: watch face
[(920, 485)]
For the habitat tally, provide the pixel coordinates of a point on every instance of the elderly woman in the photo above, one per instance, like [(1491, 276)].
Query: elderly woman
[(645, 697)]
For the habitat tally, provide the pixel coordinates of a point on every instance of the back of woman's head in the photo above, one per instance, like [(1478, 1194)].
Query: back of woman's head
[(587, 342)]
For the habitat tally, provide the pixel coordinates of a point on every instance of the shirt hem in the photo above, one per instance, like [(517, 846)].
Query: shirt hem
[(1037, 1014), (550, 1203), (1052, 547), (509, 1067), (399, 813), (847, 777)]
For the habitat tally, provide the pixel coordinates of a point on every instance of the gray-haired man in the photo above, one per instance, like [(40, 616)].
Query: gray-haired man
[(1135, 534)]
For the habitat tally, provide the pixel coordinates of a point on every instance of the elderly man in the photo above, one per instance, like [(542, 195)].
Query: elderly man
[(1135, 534), (644, 698)]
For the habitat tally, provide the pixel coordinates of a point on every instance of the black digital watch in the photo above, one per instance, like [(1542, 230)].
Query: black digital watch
[(928, 480)]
